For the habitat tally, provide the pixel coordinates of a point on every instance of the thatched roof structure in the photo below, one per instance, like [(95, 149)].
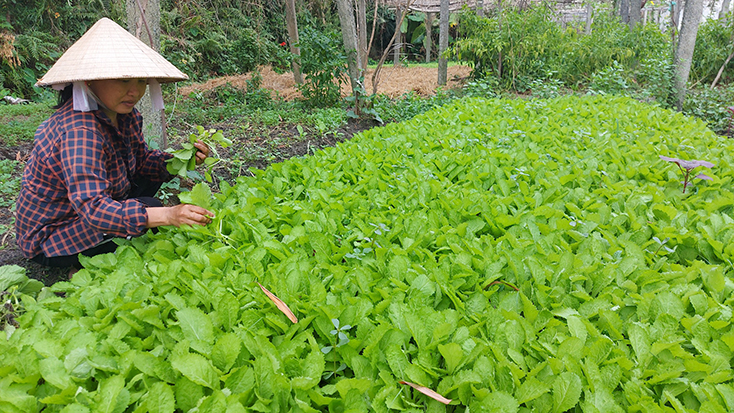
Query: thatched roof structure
[(434, 6), (430, 6)]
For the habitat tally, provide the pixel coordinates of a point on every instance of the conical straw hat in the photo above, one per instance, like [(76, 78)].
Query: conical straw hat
[(107, 51)]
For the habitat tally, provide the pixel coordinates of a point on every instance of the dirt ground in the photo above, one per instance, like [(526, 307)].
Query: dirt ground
[(393, 82)]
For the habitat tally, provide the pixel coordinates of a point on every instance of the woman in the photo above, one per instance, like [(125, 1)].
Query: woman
[(91, 177)]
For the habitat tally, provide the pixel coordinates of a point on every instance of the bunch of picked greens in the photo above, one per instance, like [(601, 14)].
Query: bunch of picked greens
[(184, 160)]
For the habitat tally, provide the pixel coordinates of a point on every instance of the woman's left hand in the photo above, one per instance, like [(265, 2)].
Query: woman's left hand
[(202, 151)]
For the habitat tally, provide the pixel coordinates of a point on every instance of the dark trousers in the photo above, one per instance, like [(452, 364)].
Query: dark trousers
[(143, 191)]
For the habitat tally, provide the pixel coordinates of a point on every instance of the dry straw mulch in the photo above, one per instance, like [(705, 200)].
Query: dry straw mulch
[(393, 82)]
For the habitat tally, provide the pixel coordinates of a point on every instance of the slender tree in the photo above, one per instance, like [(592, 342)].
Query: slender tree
[(692, 14), (144, 22), (635, 13), (428, 41), (361, 23), (398, 46), (345, 9), (624, 10), (443, 42), (589, 17), (292, 23), (378, 69)]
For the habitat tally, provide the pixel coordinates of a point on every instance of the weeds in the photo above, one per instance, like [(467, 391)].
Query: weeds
[(18, 123), (9, 181)]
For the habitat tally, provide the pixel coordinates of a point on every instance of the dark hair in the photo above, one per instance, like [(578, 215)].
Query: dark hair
[(64, 96)]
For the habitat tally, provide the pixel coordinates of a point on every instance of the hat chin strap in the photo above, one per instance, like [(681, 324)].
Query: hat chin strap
[(85, 100), (156, 95)]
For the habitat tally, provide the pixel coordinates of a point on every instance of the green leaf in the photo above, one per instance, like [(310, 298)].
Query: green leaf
[(452, 354), (531, 389), (160, 399), (200, 195), (227, 309), (187, 394), (11, 275), (196, 325), (566, 391), (53, 371), (345, 385), (112, 397), (197, 369), (225, 351), (497, 402), (664, 212), (577, 328)]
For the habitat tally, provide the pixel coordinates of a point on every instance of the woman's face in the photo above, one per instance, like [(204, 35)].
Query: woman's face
[(119, 95)]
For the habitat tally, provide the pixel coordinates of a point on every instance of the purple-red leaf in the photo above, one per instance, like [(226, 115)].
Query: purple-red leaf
[(280, 304), (688, 165), (428, 392)]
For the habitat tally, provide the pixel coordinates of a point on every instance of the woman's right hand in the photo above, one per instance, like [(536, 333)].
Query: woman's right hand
[(186, 214), (181, 214)]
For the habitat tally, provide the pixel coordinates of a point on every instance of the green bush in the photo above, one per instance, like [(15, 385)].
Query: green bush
[(655, 75), (710, 105), (511, 44), (713, 46), (612, 80), (323, 64), (518, 47)]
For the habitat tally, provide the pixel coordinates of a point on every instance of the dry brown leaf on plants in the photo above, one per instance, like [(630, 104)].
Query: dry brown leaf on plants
[(280, 304), (428, 392)]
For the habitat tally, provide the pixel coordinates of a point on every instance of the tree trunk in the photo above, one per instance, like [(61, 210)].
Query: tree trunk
[(724, 8), (345, 8), (398, 45), (291, 22), (635, 13), (362, 33), (428, 41), (443, 42), (144, 22), (624, 11), (684, 51), (589, 16), (480, 8)]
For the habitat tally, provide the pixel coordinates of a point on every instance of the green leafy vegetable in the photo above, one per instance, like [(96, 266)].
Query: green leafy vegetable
[(184, 159), (508, 255)]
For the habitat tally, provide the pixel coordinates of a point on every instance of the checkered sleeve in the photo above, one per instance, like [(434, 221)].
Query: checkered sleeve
[(83, 169)]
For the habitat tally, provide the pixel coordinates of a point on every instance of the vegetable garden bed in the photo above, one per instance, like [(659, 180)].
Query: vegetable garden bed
[(509, 255)]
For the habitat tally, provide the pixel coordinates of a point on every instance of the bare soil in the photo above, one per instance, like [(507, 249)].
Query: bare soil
[(393, 82)]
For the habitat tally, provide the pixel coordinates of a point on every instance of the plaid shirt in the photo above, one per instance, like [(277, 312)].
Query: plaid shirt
[(77, 180)]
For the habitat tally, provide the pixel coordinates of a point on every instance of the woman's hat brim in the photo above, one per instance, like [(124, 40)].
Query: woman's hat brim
[(107, 51)]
